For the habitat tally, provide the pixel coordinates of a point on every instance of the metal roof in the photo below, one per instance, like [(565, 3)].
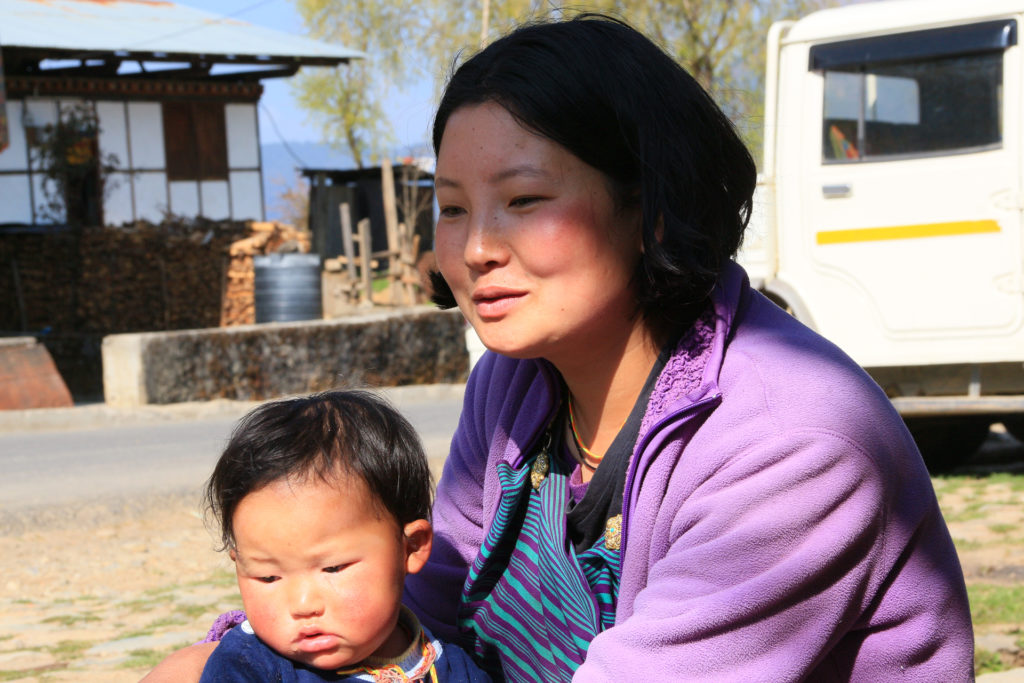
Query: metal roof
[(153, 30)]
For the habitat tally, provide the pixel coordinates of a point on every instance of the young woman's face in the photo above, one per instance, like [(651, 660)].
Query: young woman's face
[(530, 240), (320, 569)]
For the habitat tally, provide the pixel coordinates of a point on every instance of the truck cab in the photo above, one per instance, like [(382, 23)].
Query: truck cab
[(890, 207)]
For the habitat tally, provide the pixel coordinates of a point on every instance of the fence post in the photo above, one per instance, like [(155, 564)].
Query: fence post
[(366, 298)]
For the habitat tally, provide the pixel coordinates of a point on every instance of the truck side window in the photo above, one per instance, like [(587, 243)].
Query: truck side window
[(915, 107)]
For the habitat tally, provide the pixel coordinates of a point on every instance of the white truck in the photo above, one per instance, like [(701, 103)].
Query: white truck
[(889, 211)]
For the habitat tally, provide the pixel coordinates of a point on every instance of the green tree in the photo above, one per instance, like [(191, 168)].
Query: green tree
[(720, 41), (404, 43), (349, 101)]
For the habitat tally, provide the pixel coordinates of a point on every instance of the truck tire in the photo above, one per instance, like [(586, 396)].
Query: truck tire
[(1015, 425), (947, 442)]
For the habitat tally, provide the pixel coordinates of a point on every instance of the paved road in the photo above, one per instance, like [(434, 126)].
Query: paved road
[(64, 456), (58, 456)]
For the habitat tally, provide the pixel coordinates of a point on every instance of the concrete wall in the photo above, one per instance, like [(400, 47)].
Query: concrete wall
[(419, 345)]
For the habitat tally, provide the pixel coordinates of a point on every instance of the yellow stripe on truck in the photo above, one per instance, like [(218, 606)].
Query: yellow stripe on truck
[(907, 232)]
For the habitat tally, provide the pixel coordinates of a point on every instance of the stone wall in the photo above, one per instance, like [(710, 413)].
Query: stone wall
[(420, 345)]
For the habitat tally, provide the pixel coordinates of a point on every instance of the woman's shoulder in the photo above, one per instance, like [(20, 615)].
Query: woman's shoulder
[(507, 401), (786, 389), (503, 388), (799, 367)]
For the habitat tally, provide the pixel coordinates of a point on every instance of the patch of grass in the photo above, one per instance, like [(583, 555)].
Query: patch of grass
[(221, 578), (138, 633), (147, 659), (225, 579), (11, 675), (962, 544), (1002, 529), (152, 627), (67, 620), (991, 604), (194, 611), (171, 620), (971, 511), (138, 659), (976, 481), (986, 662), (67, 650), (1015, 481), (142, 604)]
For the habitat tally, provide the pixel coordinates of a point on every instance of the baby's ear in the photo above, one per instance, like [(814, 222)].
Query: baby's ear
[(418, 537), (232, 554)]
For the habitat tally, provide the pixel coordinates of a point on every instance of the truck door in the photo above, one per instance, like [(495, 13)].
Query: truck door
[(912, 205)]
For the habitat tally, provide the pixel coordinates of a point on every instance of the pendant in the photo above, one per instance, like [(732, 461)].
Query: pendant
[(542, 464), (539, 471), (613, 533)]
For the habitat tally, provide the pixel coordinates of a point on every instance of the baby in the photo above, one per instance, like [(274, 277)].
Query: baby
[(323, 503)]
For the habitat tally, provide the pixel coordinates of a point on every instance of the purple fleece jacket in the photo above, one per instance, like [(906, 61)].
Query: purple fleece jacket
[(779, 522)]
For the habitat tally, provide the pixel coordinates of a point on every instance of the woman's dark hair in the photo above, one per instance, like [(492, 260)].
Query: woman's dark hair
[(329, 435), (614, 99)]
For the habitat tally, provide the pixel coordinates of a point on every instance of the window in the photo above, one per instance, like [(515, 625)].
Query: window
[(195, 141), (920, 92), (910, 108)]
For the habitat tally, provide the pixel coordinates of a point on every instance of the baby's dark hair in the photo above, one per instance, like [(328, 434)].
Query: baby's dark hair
[(328, 435)]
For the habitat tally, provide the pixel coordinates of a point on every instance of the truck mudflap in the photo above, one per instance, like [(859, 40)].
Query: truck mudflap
[(940, 406)]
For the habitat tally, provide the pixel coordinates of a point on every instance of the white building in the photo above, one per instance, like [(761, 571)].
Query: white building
[(175, 91)]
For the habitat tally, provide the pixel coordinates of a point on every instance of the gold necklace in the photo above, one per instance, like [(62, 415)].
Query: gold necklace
[(587, 453)]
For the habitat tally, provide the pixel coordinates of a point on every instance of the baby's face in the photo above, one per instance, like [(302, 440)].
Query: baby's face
[(320, 569)]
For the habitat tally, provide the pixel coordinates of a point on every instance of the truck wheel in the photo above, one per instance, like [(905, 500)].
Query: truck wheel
[(947, 442), (1015, 425)]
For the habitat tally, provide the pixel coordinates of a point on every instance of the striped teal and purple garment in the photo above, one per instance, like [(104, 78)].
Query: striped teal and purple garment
[(531, 603)]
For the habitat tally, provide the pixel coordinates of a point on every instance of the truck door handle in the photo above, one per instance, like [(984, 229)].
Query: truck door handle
[(836, 191)]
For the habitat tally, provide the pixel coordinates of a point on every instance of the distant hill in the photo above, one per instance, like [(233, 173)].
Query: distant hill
[(280, 167)]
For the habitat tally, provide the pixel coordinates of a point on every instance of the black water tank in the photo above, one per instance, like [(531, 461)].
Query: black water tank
[(287, 287)]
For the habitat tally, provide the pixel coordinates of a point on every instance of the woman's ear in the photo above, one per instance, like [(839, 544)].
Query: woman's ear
[(419, 537)]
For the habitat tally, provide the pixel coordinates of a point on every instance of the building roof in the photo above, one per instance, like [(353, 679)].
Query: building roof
[(153, 30)]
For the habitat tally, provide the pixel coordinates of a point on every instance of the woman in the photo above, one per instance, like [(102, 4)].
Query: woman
[(657, 472)]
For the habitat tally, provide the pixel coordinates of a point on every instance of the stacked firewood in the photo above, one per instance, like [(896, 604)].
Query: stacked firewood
[(37, 283), (238, 304), (153, 277), (179, 274)]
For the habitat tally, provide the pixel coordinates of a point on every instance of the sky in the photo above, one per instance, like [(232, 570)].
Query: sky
[(410, 113)]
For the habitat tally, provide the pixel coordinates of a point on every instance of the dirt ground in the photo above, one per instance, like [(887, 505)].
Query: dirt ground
[(100, 592)]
